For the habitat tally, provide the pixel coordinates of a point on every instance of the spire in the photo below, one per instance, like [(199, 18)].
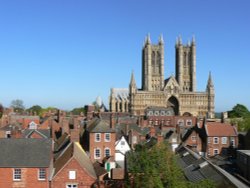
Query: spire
[(189, 43), (148, 41), (161, 41), (132, 80), (210, 81), (193, 40), (179, 40)]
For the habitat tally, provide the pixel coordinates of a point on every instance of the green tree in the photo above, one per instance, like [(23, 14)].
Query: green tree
[(238, 111), (78, 111), (1, 110), (17, 105), (35, 109), (157, 168)]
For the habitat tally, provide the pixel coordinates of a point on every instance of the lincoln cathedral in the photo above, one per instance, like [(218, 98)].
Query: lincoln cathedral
[(176, 94)]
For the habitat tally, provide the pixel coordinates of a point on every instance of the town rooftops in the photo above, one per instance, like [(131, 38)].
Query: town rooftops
[(25, 152), (220, 129), (74, 150), (246, 152), (99, 126)]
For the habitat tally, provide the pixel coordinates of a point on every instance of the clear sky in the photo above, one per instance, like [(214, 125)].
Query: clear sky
[(65, 53)]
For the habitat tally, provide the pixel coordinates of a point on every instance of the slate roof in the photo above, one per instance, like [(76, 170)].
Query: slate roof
[(25, 152), (220, 129), (45, 133), (74, 150), (197, 168), (100, 126)]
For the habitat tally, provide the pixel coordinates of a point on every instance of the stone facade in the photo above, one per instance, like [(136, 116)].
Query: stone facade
[(178, 93)]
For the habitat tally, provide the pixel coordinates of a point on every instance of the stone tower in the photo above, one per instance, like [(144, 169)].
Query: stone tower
[(186, 65), (211, 93), (153, 65)]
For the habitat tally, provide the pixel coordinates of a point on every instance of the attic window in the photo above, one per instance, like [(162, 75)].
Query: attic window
[(203, 164), (185, 154), (72, 174)]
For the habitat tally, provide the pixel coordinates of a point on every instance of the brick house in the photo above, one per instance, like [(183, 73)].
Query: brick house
[(219, 136), (25, 162), (73, 169), (100, 138)]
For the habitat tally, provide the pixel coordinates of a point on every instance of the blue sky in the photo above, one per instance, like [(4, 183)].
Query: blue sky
[(65, 53)]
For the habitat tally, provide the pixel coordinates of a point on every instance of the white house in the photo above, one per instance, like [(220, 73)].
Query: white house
[(121, 147)]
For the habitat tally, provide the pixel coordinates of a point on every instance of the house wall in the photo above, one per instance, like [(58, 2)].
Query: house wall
[(210, 147), (196, 143), (102, 145), (83, 179), (29, 178)]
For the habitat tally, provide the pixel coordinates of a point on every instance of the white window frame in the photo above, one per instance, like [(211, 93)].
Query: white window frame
[(72, 174), (232, 140), (181, 122), (189, 121), (107, 149), (17, 172), (109, 137), (96, 157), (208, 140), (96, 137), (217, 142), (224, 140), (217, 152), (71, 185), (193, 138), (41, 174)]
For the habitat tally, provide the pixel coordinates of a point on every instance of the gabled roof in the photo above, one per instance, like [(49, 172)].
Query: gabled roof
[(100, 126), (171, 81), (220, 129), (74, 150), (25, 152), (42, 132)]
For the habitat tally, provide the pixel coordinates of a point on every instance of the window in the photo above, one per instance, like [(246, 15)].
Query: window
[(216, 151), (107, 137), (232, 141), (41, 174), (97, 153), (208, 140), (17, 174), (122, 143), (224, 140), (97, 137), (71, 186), (107, 152), (189, 122), (216, 140), (208, 152), (181, 122), (193, 138), (72, 174)]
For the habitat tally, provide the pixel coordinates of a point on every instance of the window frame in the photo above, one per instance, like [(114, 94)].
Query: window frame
[(15, 174), (105, 137), (224, 140), (40, 173), (193, 138), (96, 137), (107, 149), (217, 151), (71, 184), (217, 142), (97, 149), (72, 174)]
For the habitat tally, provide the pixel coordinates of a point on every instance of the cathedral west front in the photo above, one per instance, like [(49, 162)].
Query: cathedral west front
[(175, 95)]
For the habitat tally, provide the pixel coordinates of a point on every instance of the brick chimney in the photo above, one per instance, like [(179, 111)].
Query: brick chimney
[(112, 121), (65, 126), (152, 131), (74, 135)]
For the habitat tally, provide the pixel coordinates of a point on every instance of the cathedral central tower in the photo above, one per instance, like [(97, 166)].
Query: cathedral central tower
[(153, 65)]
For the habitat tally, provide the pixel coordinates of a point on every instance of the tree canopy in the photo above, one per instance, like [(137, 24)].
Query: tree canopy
[(17, 105), (157, 168), (239, 111), (36, 109), (78, 111)]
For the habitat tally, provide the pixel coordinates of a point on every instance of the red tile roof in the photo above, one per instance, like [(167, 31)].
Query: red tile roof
[(220, 129)]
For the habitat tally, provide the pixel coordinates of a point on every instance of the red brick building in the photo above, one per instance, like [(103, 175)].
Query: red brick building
[(101, 139), (73, 169), (25, 163)]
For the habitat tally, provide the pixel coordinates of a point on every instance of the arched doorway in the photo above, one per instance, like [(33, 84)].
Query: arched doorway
[(174, 104)]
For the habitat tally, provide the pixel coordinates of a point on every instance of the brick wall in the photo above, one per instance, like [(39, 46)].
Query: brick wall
[(29, 178), (83, 179)]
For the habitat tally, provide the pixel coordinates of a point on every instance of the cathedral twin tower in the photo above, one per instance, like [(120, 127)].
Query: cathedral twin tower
[(177, 94)]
